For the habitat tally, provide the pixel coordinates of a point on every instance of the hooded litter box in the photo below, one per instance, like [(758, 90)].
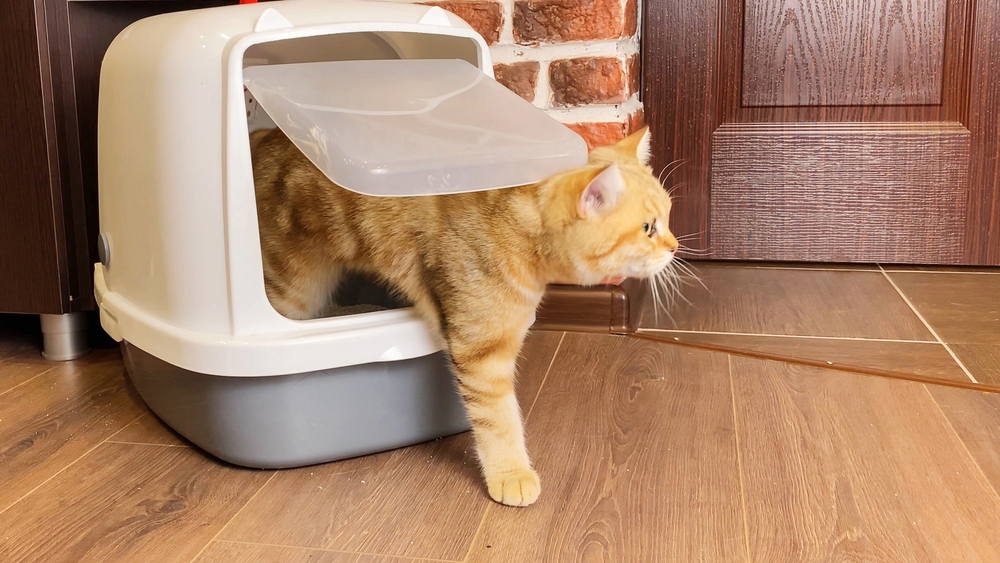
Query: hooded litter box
[(387, 100)]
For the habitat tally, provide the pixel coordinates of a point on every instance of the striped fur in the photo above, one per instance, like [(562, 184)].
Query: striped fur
[(475, 265)]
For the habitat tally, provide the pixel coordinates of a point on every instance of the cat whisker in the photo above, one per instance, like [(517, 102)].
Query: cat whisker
[(674, 188), (688, 272), (677, 281), (664, 174), (690, 235)]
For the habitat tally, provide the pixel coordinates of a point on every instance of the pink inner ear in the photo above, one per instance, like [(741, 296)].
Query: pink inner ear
[(602, 194)]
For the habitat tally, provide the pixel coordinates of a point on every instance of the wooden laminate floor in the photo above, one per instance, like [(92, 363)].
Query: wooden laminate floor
[(649, 451)]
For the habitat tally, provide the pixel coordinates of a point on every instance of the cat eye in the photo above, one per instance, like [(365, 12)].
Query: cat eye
[(649, 228)]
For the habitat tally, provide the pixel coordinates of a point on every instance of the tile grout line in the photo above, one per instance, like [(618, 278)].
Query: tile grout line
[(930, 328), (944, 272), (67, 466), (237, 513), (802, 336), (739, 459), (325, 550), (486, 511), (961, 441), (751, 266)]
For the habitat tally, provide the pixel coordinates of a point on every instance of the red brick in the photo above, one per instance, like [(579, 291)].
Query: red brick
[(634, 72), (599, 134), (636, 121), (555, 21), (588, 80), (631, 18), (520, 78), (602, 134), (485, 16)]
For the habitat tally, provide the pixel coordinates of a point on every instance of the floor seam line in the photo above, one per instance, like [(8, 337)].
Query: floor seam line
[(110, 441), (544, 379), (327, 550), (475, 536), (739, 458), (67, 466), (964, 445), (233, 517), (801, 336), (929, 327), (29, 380)]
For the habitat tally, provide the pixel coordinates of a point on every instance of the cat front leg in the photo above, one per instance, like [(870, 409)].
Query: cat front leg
[(484, 365)]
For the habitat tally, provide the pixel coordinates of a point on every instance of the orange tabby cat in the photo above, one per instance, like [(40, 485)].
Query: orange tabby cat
[(475, 265)]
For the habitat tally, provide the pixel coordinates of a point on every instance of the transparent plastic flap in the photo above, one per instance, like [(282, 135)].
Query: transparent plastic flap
[(413, 127)]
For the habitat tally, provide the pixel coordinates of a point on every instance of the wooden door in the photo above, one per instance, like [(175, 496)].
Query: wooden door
[(829, 130)]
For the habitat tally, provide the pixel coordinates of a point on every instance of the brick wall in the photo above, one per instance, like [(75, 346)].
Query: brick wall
[(577, 59)]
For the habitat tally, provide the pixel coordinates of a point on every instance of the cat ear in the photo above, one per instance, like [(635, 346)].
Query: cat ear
[(636, 146), (602, 193)]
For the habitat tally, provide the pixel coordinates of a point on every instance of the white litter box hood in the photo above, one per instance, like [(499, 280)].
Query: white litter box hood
[(181, 275)]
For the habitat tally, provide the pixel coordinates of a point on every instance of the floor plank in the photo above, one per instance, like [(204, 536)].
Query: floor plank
[(231, 552), (634, 443), (126, 502), (533, 365), (148, 429), (421, 501), (55, 418), (962, 308), (852, 468), (838, 303), (925, 359), (424, 501), (13, 374), (975, 417)]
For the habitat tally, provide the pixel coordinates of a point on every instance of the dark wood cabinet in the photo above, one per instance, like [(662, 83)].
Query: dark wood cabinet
[(49, 74)]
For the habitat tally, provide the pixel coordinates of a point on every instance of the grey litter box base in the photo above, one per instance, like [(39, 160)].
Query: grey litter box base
[(302, 419)]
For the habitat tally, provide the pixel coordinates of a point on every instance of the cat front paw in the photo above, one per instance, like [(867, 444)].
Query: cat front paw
[(519, 487)]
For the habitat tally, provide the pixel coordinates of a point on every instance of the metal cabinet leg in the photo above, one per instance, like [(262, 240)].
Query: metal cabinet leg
[(64, 336)]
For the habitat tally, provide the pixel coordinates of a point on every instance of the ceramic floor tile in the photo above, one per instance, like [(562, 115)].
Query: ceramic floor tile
[(921, 359), (982, 361), (961, 308), (839, 303)]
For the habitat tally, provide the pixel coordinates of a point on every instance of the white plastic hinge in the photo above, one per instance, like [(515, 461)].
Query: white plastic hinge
[(435, 16), (270, 19)]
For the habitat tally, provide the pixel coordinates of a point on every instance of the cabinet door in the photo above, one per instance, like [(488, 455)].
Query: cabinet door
[(829, 130), (32, 274)]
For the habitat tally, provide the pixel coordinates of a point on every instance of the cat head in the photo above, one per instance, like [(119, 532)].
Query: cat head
[(611, 217)]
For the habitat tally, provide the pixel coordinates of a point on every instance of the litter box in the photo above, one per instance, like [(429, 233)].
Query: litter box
[(388, 100)]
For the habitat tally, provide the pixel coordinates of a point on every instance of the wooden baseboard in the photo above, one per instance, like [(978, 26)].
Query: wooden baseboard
[(611, 309)]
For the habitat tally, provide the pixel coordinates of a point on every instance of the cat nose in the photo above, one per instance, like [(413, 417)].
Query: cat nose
[(672, 243)]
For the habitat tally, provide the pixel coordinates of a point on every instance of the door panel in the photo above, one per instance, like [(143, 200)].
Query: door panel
[(893, 193), (831, 52), (828, 130)]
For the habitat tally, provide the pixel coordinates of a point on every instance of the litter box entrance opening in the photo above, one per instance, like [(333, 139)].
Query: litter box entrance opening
[(358, 293), (355, 293)]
